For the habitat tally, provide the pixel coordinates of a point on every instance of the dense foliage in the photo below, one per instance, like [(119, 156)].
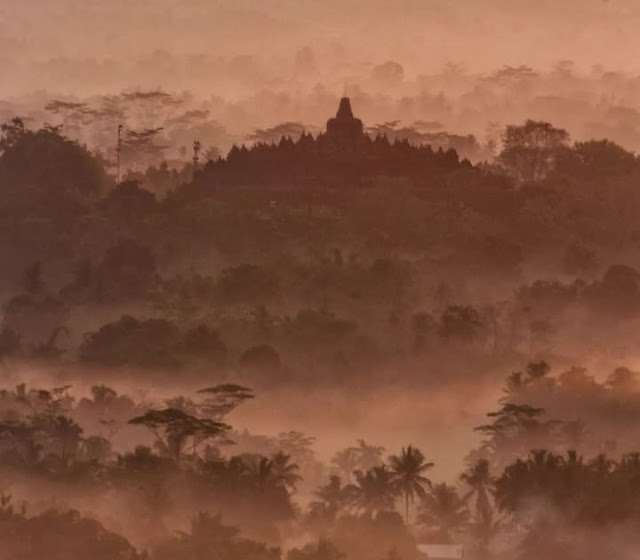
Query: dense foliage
[(288, 267)]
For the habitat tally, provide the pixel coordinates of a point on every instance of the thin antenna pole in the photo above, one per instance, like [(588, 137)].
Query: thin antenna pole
[(196, 154), (118, 149)]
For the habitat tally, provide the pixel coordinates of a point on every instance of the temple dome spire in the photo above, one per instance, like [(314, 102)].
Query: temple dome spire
[(344, 132), (344, 110)]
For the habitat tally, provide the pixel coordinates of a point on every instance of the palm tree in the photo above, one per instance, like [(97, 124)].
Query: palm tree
[(374, 490), (363, 457), (284, 471), (479, 480), (275, 472), (443, 512), (484, 530), (408, 469), (334, 497), (481, 483)]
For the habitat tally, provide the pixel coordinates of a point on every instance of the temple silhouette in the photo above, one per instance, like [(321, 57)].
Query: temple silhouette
[(342, 156), (345, 133)]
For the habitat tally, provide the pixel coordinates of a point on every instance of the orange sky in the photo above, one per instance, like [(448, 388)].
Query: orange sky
[(421, 34)]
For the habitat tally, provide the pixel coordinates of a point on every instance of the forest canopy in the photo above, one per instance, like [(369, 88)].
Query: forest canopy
[(298, 348)]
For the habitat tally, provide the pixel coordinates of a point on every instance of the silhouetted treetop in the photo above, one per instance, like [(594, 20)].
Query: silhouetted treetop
[(45, 174)]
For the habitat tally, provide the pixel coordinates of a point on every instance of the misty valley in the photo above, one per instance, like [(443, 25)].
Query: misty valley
[(337, 299)]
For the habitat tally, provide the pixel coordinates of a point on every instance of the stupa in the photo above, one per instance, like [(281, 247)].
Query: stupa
[(344, 132)]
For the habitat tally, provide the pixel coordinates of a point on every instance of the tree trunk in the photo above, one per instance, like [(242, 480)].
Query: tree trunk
[(406, 509)]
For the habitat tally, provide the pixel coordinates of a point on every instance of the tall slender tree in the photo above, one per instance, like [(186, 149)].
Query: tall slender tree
[(481, 483), (408, 471)]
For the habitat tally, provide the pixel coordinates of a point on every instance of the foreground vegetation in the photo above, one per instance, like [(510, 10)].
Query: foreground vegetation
[(193, 486)]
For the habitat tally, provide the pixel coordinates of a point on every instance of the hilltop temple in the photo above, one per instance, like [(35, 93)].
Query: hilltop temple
[(342, 156), (345, 133)]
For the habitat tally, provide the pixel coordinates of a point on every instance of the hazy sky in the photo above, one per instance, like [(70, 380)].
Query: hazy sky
[(240, 60), (421, 34)]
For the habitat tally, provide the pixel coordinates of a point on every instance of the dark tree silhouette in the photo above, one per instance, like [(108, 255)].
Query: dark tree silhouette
[(66, 179), (174, 429), (375, 490), (408, 469), (530, 151)]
